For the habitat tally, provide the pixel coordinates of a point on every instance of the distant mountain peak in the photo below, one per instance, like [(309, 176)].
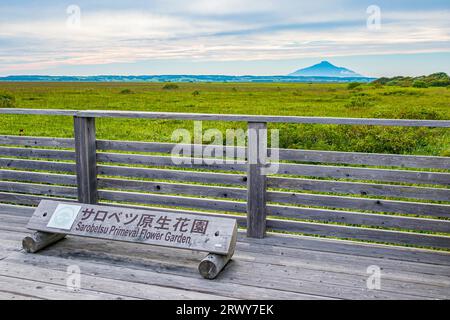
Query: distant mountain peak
[(325, 69)]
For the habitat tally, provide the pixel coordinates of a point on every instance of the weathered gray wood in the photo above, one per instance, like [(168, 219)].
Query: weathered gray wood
[(150, 276), (406, 176), (16, 210), (33, 188), (256, 180), (322, 245), (49, 112), (95, 257), (400, 191), (394, 254), (379, 205), (239, 217), (318, 156), (39, 177), (157, 147), (178, 230), (15, 296), (374, 159), (263, 119), (212, 264), (135, 146), (179, 175), (192, 163), (39, 240), (229, 117), (14, 227), (37, 141), (49, 291), (25, 199), (408, 161), (37, 153), (98, 283), (175, 201), (249, 271), (356, 218), (85, 149), (37, 165), (360, 188), (7, 218), (402, 270), (386, 236), (171, 188)]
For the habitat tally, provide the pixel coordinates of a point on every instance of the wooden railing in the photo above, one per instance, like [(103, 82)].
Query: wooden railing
[(323, 193)]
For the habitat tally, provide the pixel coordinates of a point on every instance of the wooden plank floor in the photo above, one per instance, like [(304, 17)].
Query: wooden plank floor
[(278, 267)]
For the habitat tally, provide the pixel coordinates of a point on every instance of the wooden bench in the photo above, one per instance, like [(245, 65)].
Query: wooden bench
[(53, 220)]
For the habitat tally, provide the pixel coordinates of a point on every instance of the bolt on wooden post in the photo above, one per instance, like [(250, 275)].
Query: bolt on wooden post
[(256, 179)]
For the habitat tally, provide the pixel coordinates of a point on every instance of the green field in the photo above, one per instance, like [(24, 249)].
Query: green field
[(336, 100)]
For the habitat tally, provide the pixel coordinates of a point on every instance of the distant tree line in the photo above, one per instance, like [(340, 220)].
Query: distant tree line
[(440, 79)]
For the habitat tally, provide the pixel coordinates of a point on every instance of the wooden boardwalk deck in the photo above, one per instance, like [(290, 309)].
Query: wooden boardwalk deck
[(277, 267)]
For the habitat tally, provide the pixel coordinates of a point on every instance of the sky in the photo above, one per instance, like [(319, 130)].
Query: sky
[(230, 37)]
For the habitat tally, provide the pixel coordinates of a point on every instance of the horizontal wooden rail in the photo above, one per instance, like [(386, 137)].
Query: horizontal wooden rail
[(38, 177), (155, 147), (371, 159), (41, 189), (37, 165), (37, 141), (406, 176), (28, 199), (41, 112), (314, 214), (259, 118), (16, 210), (174, 201), (191, 163), (229, 117), (360, 188), (37, 153), (171, 188), (378, 205), (178, 175), (385, 236), (357, 218), (318, 156)]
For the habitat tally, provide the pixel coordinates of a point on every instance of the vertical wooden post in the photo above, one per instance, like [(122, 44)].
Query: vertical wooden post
[(256, 180), (86, 159)]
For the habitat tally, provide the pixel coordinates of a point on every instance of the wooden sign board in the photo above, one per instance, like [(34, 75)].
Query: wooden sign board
[(52, 220), (170, 229)]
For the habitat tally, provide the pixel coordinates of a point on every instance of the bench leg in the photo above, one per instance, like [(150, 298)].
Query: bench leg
[(39, 240), (212, 264)]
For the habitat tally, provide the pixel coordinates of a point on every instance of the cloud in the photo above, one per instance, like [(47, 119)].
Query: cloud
[(215, 31)]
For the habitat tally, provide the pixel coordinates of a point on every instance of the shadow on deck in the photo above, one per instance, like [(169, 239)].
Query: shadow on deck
[(277, 267)]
